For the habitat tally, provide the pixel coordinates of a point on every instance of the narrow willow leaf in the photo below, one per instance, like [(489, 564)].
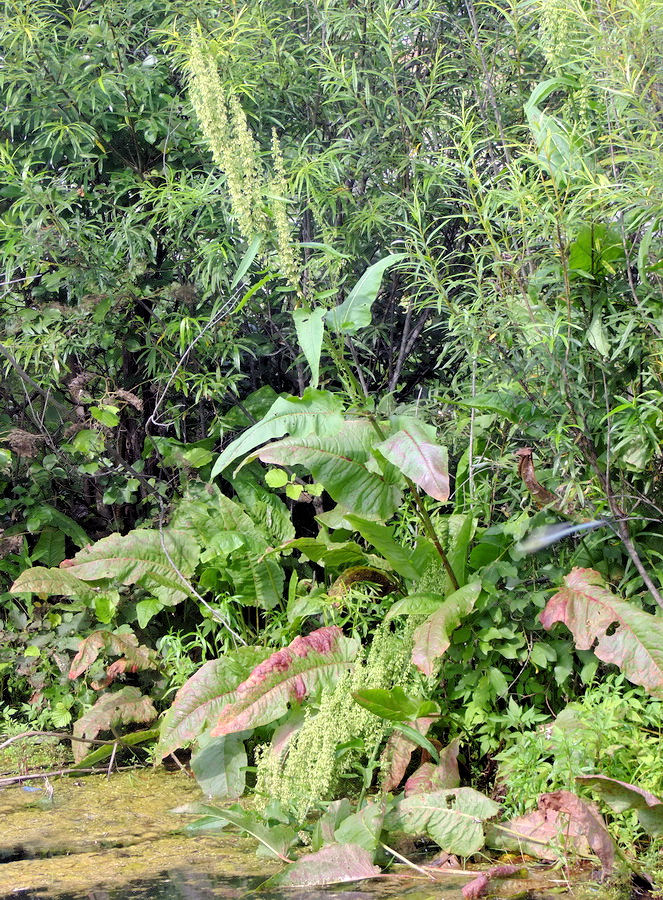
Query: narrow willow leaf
[(355, 311), (246, 260)]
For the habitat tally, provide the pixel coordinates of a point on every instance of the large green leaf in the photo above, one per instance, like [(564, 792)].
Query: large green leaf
[(49, 549), (363, 827), (590, 610), (310, 327), (413, 450), (315, 411), (199, 701), (432, 638), (416, 605), (355, 311), (149, 558), (257, 581), (45, 514), (268, 511), (286, 676), (339, 462), (452, 818), (325, 552), (395, 705), (220, 767), (234, 542)]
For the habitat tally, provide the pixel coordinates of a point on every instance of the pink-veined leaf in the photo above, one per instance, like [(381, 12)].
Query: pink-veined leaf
[(199, 701), (413, 451), (398, 753), (432, 637), (134, 657), (111, 710), (589, 609), (621, 796), (562, 825), (334, 864), (436, 776), (285, 676)]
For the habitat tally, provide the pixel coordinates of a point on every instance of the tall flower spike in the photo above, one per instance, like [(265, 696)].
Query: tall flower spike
[(288, 262)]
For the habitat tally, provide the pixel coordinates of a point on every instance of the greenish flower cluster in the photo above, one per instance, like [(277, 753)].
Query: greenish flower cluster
[(311, 769), (235, 151), (555, 30), (227, 131), (288, 262)]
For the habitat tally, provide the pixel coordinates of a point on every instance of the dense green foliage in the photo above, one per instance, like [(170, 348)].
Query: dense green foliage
[(290, 291)]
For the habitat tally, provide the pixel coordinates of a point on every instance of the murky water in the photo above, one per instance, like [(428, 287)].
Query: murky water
[(117, 839)]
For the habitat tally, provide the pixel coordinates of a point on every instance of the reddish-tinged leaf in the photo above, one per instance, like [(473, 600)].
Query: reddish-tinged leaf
[(47, 582), (111, 710), (426, 463), (620, 796), (479, 886), (589, 609), (432, 638), (135, 656), (430, 777), (199, 701), (285, 676), (334, 864), (563, 824), (398, 752)]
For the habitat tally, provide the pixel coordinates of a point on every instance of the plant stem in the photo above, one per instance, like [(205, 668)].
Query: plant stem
[(422, 512)]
